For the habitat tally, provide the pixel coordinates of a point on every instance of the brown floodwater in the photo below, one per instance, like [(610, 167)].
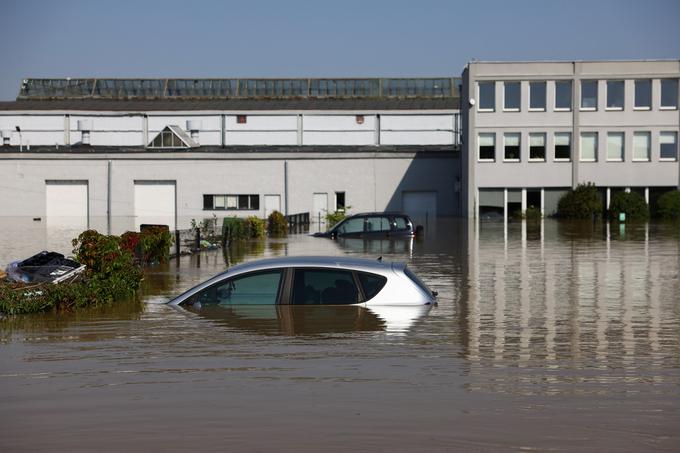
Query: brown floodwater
[(547, 337)]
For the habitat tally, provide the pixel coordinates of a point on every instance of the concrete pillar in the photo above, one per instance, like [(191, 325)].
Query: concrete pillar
[(505, 205), (542, 202), (609, 196), (67, 130), (524, 201), (300, 130), (647, 195)]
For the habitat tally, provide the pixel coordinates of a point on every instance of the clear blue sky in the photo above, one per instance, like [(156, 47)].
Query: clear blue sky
[(287, 38)]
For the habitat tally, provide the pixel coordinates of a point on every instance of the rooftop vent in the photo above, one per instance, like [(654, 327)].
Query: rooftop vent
[(85, 126), (194, 126)]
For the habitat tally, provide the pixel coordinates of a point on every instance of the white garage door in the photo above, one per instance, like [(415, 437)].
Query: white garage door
[(420, 205), (271, 203), (66, 213), (155, 203)]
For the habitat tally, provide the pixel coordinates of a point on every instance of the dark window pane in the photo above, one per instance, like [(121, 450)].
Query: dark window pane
[(243, 202), (512, 97), (339, 201), (669, 93), (377, 223), (589, 94), (324, 286), (371, 284), (537, 95), (254, 289), (487, 147), (487, 96), (563, 146), (400, 223), (669, 145), (563, 94), (643, 93), (615, 94), (207, 201), (254, 202), (512, 146)]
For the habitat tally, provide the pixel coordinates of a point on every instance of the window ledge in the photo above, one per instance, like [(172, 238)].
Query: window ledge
[(486, 160), (588, 109), (537, 109), (511, 160), (641, 160), (561, 109), (510, 110), (561, 160), (486, 110), (614, 109), (537, 160), (668, 159), (642, 108), (588, 160), (668, 107), (614, 160)]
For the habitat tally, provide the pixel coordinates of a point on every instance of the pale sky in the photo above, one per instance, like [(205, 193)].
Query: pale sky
[(349, 38)]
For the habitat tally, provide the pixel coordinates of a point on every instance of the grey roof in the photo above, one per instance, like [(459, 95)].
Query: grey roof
[(148, 105)]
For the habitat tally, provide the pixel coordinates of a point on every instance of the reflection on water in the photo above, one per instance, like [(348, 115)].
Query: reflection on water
[(305, 320), (547, 336)]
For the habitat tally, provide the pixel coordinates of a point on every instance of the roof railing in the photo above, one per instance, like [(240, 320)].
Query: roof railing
[(250, 88)]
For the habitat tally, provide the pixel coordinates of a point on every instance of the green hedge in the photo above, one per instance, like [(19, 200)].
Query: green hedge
[(110, 275), (630, 203), (669, 205), (277, 225), (580, 203), (238, 229)]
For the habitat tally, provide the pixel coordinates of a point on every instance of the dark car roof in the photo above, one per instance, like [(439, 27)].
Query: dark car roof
[(387, 213)]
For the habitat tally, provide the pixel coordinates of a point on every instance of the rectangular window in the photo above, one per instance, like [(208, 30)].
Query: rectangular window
[(511, 145), (589, 95), (641, 146), (563, 146), (487, 147), (615, 146), (339, 201), (589, 146), (669, 93), (537, 147), (643, 94), (231, 202), (487, 96), (563, 95), (512, 96), (615, 94), (241, 119), (537, 96), (668, 141)]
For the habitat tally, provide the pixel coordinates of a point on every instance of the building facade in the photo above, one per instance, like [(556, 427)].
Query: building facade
[(534, 130), (119, 153)]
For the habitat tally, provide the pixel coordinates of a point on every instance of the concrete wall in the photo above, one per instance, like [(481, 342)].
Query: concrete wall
[(260, 128), (371, 181)]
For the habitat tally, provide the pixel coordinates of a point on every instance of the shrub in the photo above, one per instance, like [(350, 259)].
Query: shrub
[(332, 218), (150, 246), (580, 203), (631, 203), (669, 205), (110, 275), (533, 214), (255, 227), (277, 224)]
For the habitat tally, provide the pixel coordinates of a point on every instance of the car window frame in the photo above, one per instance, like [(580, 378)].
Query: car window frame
[(288, 300), (279, 291)]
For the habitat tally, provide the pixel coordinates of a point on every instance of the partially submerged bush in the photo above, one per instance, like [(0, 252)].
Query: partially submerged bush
[(255, 227), (533, 214), (669, 205), (238, 229), (333, 218), (152, 245), (110, 275), (277, 224), (580, 203), (631, 203)]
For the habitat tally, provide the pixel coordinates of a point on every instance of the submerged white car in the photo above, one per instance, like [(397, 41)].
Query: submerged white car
[(311, 280)]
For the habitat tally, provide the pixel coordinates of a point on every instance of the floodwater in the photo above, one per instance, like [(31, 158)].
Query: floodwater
[(550, 337)]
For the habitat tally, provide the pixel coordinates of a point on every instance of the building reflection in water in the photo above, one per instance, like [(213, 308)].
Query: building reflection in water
[(558, 295)]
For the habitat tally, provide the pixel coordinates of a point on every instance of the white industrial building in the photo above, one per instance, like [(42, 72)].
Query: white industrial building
[(112, 154)]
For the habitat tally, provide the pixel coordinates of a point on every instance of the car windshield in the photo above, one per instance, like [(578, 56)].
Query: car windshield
[(351, 225), (259, 288)]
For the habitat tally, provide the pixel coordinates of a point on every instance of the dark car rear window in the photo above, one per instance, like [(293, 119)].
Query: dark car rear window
[(401, 223), (371, 284)]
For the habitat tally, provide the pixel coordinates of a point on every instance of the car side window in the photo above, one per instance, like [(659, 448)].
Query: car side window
[(371, 284), (354, 225), (260, 288), (400, 223), (324, 287), (377, 223)]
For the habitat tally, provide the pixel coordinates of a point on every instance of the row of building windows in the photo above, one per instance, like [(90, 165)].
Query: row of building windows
[(562, 146), (231, 202), (615, 95)]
